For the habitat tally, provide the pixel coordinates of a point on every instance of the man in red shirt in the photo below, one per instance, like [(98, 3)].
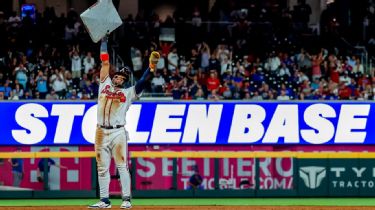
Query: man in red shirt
[(213, 83), (344, 92)]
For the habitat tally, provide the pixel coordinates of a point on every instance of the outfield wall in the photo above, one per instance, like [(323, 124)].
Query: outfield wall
[(157, 173)]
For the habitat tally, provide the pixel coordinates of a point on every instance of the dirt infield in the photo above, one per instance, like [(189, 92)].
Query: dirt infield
[(201, 208)]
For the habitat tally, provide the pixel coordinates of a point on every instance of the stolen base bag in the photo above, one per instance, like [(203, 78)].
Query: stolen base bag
[(100, 19)]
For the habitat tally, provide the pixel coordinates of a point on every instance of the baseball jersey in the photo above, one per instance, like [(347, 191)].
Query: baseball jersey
[(113, 104)]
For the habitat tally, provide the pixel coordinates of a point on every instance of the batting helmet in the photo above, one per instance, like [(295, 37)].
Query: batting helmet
[(125, 72)]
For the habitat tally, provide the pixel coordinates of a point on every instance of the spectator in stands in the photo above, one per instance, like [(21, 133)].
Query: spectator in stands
[(17, 169), (83, 95), (256, 96), (58, 82), (17, 93), (238, 56), (88, 62), (72, 95), (41, 84), (213, 82), (176, 92), (284, 70), (76, 60), (199, 95), (173, 60), (186, 96), (21, 75), (214, 96), (273, 63), (213, 64), (161, 64), (52, 95), (225, 90), (358, 68), (195, 180), (3, 88), (205, 53), (283, 96), (157, 83), (42, 166), (137, 61), (94, 87), (247, 96), (85, 83), (184, 64)]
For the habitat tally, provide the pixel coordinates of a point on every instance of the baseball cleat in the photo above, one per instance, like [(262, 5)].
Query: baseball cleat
[(126, 205), (100, 205)]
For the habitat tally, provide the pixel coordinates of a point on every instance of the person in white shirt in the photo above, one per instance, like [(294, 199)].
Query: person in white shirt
[(301, 76), (345, 79), (256, 96), (76, 64), (157, 83), (173, 59), (58, 83), (88, 62), (222, 52), (111, 137), (226, 66), (137, 61), (284, 70), (283, 96), (273, 63), (184, 64), (358, 68), (161, 64)]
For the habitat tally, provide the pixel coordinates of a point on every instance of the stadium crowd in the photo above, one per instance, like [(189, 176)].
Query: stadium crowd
[(52, 58)]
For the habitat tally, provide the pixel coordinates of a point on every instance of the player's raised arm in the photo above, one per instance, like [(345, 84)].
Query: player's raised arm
[(154, 59), (104, 57)]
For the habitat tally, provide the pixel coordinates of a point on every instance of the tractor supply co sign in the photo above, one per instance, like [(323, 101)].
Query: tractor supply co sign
[(312, 177), (337, 177), (198, 123)]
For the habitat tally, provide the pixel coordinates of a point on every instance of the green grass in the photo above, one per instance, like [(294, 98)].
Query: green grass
[(203, 202)]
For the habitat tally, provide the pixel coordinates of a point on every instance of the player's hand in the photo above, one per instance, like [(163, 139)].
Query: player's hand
[(153, 60)]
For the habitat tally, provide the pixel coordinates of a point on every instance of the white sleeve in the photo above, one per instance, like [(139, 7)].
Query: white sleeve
[(105, 82), (131, 94)]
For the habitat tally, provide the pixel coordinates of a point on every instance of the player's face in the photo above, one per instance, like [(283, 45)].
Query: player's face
[(118, 80)]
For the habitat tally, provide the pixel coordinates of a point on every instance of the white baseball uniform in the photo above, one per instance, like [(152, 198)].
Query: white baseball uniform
[(111, 137)]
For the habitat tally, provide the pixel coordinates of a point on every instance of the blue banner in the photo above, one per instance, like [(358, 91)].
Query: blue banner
[(203, 122)]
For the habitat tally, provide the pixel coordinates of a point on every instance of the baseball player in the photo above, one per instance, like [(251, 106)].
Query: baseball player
[(111, 137)]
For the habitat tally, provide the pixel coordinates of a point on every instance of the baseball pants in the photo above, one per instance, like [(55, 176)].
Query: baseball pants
[(112, 143)]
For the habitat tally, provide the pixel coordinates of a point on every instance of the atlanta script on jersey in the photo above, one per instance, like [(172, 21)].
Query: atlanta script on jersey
[(113, 103)]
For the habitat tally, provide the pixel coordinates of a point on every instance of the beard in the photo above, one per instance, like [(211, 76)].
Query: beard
[(116, 84)]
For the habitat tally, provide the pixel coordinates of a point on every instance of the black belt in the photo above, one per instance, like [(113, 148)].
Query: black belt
[(111, 127)]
